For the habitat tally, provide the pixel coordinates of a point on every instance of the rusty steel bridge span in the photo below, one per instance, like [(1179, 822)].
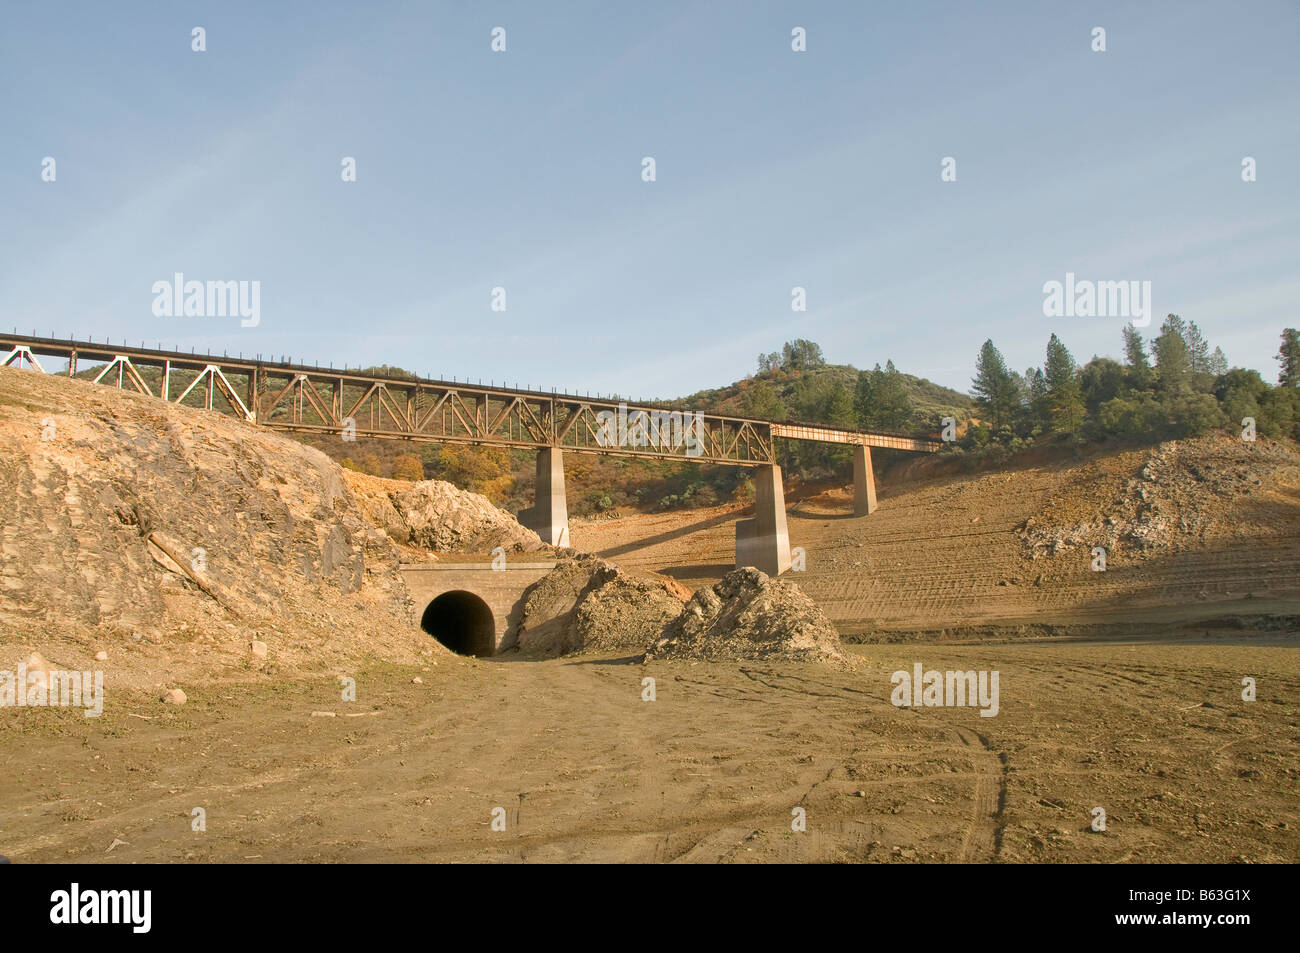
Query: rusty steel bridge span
[(300, 398)]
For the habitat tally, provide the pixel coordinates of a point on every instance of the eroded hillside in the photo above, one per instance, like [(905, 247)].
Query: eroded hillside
[(170, 538), (1192, 529)]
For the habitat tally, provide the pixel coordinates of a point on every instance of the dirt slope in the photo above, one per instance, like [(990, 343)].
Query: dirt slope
[(1218, 533), (106, 493)]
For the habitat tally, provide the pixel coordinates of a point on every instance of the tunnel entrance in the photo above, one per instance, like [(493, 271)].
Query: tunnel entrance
[(461, 621)]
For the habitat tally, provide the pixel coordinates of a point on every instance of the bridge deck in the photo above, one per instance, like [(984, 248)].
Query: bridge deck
[(310, 399)]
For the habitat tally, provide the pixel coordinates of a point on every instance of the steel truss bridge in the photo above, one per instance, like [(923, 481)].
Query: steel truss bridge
[(329, 402)]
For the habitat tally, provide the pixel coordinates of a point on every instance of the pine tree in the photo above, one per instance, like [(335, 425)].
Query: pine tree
[(864, 400), (1289, 355), (1175, 323), (1198, 350), (1040, 414), (893, 403), (839, 406), (763, 402), (801, 355), (1064, 395), (1218, 363), (1135, 356), (993, 388), (881, 400), (1173, 357)]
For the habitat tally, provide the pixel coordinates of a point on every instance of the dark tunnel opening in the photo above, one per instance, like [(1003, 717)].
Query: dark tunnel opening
[(462, 622)]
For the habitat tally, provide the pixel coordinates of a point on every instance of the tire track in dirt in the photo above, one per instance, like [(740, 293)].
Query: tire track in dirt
[(847, 838), (589, 772), (981, 842)]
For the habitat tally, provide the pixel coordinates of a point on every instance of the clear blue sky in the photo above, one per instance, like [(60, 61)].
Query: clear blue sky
[(775, 169)]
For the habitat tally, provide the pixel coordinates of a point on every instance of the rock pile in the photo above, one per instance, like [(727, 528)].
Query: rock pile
[(588, 604), (435, 515), (750, 615)]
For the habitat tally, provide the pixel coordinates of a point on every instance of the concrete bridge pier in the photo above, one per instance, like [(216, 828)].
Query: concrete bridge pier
[(551, 512), (864, 482), (764, 542)]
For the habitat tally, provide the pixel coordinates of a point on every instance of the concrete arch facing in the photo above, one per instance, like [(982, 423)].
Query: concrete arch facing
[(462, 622), (477, 598)]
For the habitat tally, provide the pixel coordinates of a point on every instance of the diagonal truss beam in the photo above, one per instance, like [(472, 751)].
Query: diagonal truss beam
[(291, 397), (22, 353)]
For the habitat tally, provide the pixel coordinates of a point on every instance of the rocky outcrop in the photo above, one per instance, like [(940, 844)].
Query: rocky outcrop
[(434, 515), (1179, 496), (135, 523)]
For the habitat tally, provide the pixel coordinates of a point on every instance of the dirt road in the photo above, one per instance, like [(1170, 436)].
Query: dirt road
[(583, 769)]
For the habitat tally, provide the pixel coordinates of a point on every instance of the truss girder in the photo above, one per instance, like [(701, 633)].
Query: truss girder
[(319, 400)]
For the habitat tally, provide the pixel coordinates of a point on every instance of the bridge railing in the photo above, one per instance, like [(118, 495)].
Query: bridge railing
[(329, 401)]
